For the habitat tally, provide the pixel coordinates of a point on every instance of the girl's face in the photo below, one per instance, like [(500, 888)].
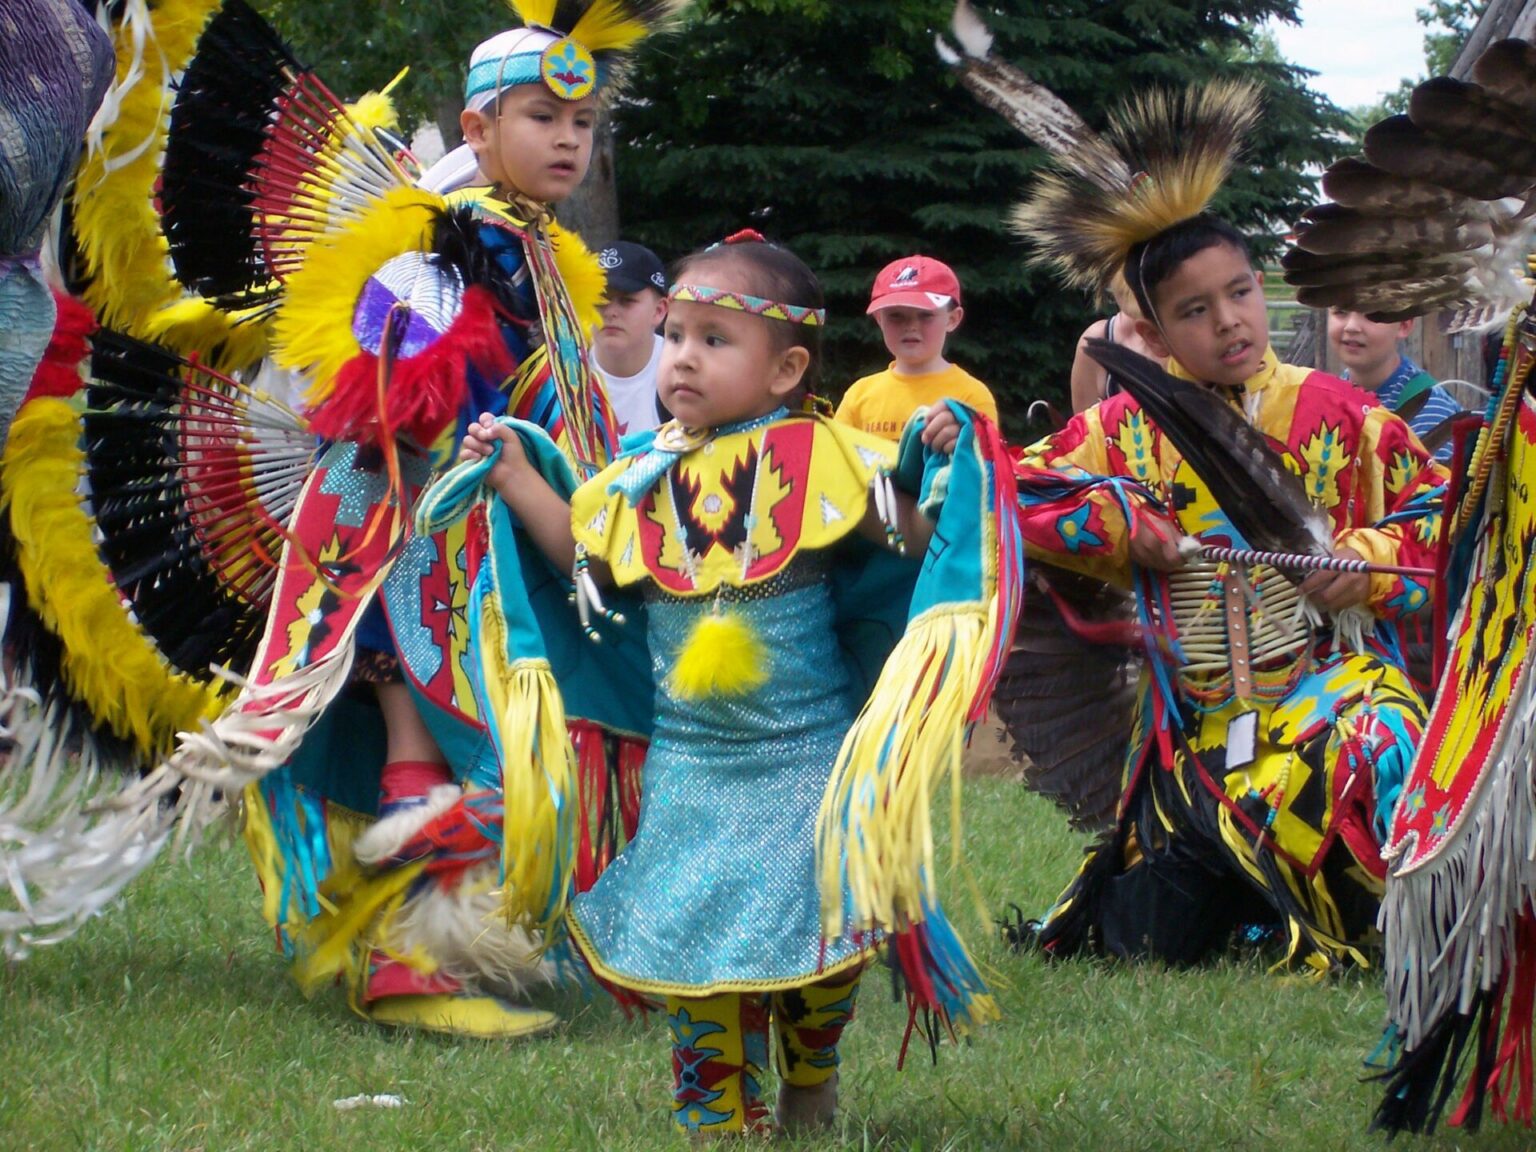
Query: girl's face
[(720, 366), (534, 142)]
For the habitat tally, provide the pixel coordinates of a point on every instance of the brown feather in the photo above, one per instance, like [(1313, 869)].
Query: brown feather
[(1399, 298), (1356, 183), (1508, 70), (1305, 269), (1475, 122), (1409, 236), (1398, 145), (1067, 703)]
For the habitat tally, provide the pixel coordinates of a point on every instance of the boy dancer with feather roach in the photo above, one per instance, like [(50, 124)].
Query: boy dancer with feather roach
[(1275, 723)]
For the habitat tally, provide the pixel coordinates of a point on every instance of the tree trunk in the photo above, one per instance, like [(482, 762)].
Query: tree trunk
[(445, 113), (593, 209)]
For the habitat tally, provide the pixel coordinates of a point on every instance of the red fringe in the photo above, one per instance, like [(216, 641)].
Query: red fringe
[(608, 801), (58, 373), (425, 392), (1513, 1070)]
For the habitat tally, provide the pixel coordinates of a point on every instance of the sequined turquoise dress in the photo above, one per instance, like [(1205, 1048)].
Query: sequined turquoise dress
[(717, 890)]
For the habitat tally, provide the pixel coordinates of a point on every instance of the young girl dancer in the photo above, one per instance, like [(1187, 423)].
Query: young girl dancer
[(733, 517)]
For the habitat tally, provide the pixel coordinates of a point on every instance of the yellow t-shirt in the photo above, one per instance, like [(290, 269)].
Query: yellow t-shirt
[(883, 403)]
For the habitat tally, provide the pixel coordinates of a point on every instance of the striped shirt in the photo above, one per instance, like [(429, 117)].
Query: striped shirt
[(1438, 404)]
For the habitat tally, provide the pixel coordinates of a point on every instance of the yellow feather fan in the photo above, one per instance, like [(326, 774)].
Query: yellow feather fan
[(1180, 147)]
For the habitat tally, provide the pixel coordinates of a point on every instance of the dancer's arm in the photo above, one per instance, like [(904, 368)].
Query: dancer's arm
[(543, 513)]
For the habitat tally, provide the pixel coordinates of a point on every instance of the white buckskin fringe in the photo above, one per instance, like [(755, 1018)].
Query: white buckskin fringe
[(72, 836), (1449, 921)]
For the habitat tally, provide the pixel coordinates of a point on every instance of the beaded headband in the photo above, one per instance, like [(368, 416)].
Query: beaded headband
[(752, 305)]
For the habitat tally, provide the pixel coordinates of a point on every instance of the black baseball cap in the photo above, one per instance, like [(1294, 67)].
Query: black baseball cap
[(632, 268)]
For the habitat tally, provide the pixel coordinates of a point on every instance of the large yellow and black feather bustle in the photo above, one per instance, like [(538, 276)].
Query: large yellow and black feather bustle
[(1180, 146)]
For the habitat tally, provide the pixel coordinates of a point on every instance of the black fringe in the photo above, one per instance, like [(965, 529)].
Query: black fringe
[(140, 504), (226, 100), (1422, 1081)]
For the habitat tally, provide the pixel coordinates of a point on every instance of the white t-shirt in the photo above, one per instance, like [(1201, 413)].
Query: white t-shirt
[(634, 397)]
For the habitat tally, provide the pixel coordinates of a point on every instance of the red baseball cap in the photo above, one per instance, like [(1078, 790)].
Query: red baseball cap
[(914, 282)]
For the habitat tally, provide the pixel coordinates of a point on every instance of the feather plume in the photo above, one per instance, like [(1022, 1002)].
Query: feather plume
[(1181, 145), (722, 656), (1355, 183), (1331, 229), (1030, 107), (1476, 119), (609, 29), (1398, 145), (1233, 457), (1507, 69)]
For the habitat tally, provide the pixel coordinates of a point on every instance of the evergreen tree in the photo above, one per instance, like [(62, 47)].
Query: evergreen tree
[(835, 129)]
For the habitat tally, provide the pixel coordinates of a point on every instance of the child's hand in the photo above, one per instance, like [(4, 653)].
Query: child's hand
[(480, 440), (1334, 591), (1155, 542), (940, 428)]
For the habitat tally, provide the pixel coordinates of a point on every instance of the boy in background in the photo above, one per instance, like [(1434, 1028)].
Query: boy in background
[(626, 350), (916, 303), (1372, 358)]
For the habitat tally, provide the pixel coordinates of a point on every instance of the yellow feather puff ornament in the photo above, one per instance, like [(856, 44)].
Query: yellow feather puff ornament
[(721, 657)]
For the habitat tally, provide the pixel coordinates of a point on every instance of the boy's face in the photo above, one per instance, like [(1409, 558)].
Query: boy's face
[(630, 320), (1211, 317), (533, 142), (915, 336), (1366, 348)]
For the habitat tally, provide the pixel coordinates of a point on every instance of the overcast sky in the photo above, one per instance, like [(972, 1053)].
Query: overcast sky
[(1360, 49)]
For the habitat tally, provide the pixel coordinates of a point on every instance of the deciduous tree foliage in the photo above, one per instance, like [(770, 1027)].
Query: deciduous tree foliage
[(835, 129)]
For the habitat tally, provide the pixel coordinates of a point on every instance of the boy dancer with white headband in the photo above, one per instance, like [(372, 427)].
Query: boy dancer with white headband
[(475, 303)]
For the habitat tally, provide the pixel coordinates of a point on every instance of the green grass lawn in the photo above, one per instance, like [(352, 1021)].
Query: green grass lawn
[(171, 1024)]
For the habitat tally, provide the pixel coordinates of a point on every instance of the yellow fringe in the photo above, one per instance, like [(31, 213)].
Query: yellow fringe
[(875, 819), (335, 942), (585, 281), (538, 779), (110, 664), (126, 258), (342, 827), (313, 330)]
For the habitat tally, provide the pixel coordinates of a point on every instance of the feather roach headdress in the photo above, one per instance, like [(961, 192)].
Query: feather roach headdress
[(1160, 161), (1439, 211)]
